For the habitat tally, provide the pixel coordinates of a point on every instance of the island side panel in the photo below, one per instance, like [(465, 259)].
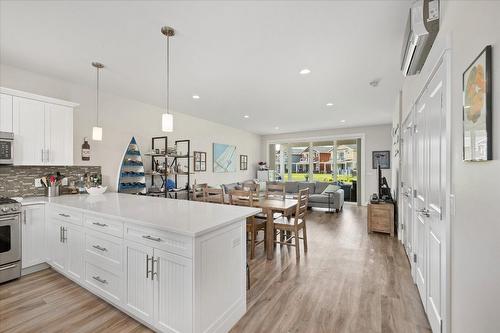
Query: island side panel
[(220, 278)]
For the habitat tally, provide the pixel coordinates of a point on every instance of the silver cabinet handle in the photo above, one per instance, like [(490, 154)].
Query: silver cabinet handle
[(100, 224), (8, 267), (42, 156), (64, 215), (100, 248), (97, 278), (156, 239), (153, 272), (147, 266), (60, 235), (64, 230)]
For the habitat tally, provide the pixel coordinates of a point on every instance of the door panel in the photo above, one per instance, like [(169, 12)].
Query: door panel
[(33, 231), (73, 236), (28, 126), (57, 247), (139, 292), (59, 134), (407, 185)]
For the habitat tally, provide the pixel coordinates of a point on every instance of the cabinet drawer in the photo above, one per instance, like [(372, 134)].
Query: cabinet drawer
[(103, 282), (104, 224), (103, 250), (66, 214), (382, 225), (162, 240)]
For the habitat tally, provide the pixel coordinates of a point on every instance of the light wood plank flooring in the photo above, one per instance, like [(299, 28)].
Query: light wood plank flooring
[(348, 282)]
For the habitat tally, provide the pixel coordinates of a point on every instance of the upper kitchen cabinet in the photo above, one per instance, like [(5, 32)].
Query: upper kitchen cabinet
[(42, 126), (5, 113)]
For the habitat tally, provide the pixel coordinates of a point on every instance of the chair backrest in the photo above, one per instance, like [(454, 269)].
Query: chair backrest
[(251, 185), (199, 192), (275, 191), (241, 198), (301, 210), (214, 195)]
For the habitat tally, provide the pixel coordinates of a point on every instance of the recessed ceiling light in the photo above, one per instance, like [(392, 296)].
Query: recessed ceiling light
[(305, 71), (342, 121), (196, 97), (276, 128), (246, 116), (329, 104)]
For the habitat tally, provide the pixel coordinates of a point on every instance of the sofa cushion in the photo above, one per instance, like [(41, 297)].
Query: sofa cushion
[(321, 187), (320, 198), (229, 187), (310, 185), (291, 187)]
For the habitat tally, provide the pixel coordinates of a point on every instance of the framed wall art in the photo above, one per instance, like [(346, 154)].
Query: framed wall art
[(382, 158), (200, 161), (243, 162), (224, 158), (477, 109)]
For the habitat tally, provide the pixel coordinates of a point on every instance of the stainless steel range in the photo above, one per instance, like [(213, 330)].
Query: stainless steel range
[(10, 239)]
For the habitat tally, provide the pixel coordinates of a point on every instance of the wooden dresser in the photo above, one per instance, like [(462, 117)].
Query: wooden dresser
[(381, 218)]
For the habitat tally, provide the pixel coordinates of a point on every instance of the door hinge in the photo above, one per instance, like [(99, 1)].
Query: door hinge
[(402, 227), (415, 128), (402, 184), (414, 193), (414, 257)]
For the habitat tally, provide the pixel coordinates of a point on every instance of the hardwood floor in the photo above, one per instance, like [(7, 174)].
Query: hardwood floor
[(349, 281)]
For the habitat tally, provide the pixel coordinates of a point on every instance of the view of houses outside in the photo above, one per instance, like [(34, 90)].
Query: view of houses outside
[(322, 158)]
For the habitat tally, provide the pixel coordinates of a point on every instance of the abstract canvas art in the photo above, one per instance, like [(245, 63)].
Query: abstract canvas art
[(224, 158), (477, 103)]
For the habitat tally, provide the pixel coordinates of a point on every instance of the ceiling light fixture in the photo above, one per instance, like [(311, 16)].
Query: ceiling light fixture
[(96, 130), (246, 116), (305, 71), (342, 121), (196, 97), (329, 104), (276, 128), (167, 119)]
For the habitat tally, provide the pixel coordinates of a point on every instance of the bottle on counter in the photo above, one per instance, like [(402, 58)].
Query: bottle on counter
[(85, 150)]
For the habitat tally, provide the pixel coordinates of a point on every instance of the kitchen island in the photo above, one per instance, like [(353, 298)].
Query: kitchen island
[(174, 265)]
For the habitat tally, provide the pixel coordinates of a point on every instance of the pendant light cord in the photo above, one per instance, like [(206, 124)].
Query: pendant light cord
[(97, 99), (168, 73)]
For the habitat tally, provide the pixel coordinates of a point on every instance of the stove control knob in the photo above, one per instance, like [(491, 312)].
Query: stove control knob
[(14, 209), (5, 209)]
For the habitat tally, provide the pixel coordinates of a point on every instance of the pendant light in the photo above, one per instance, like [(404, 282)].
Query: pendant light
[(167, 119), (96, 130)]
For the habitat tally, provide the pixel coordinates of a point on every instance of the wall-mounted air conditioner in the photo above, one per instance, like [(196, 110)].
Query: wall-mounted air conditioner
[(421, 31)]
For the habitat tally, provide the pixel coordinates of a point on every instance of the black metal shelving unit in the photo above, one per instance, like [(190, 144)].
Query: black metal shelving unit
[(169, 162)]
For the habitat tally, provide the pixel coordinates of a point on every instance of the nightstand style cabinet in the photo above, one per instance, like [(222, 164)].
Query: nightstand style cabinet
[(381, 218)]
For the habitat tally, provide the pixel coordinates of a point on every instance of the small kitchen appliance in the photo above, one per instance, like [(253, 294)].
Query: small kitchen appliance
[(6, 148)]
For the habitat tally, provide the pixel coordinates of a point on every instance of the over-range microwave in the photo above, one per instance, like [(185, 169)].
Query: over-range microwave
[(6, 148)]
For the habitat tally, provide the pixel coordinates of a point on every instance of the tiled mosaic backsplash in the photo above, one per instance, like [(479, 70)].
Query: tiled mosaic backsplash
[(20, 180)]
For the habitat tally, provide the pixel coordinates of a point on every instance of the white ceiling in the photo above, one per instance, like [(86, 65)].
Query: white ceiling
[(240, 57)]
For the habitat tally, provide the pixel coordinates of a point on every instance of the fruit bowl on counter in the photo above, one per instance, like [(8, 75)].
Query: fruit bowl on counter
[(96, 190)]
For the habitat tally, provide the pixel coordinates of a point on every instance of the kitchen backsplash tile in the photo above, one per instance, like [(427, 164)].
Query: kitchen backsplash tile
[(20, 180)]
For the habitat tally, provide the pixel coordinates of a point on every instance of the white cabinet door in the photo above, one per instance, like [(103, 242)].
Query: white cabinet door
[(56, 245), (173, 292), (139, 298), (73, 238), (5, 113), (29, 132), (58, 135), (33, 234)]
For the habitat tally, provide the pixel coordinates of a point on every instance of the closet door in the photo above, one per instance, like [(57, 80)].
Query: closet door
[(29, 133), (407, 184)]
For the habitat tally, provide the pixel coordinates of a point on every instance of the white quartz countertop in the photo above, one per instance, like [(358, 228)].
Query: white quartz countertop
[(191, 218)]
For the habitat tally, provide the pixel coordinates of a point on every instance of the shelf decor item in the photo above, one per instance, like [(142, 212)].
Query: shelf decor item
[(200, 161), (132, 179), (224, 158), (243, 162), (382, 158), (477, 109)]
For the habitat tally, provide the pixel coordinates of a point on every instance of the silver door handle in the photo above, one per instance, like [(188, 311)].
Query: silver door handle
[(100, 248), (147, 266), (425, 212), (100, 224), (8, 267), (64, 234), (97, 278), (156, 239), (64, 215), (153, 272)]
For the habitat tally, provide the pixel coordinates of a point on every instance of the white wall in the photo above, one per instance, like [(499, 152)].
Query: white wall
[(376, 138), (122, 118), (475, 227)]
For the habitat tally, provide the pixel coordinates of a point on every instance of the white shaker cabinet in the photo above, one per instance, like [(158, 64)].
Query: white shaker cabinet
[(29, 131), (5, 113), (33, 235), (58, 134)]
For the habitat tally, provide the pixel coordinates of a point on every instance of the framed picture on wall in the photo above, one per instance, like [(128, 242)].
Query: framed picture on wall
[(224, 157), (382, 158), (477, 103), (243, 162), (200, 161)]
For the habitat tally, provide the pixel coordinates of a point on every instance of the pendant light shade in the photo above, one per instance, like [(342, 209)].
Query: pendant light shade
[(167, 122), (167, 119), (96, 130)]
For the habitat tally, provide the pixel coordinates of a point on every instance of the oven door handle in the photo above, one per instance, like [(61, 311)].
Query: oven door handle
[(8, 219), (8, 267)]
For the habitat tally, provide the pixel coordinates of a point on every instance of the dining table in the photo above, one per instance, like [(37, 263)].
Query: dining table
[(269, 207)]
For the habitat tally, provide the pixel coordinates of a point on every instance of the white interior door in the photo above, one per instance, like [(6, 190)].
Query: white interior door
[(407, 185)]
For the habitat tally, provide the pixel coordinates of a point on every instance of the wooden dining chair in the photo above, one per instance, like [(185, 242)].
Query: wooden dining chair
[(213, 195), (289, 227), (199, 192), (245, 198), (275, 191)]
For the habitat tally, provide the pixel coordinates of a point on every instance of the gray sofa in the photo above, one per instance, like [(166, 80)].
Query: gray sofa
[(316, 196)]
